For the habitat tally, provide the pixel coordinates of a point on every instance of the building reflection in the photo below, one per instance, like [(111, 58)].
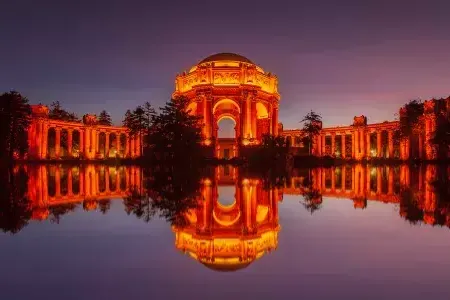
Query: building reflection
[(53, 187), (235, 219), (229, 234)]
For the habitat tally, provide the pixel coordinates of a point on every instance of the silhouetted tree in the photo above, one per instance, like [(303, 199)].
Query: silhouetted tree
[(410, 122), (312, 124), (15, 114), (175, 135), (139, 122), (15, 207), (58, 113), (441, 136), (104, 118)]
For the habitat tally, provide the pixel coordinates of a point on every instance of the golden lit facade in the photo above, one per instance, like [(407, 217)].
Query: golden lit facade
[(228, 237), (228, 85), (82, 139), (361, 140)]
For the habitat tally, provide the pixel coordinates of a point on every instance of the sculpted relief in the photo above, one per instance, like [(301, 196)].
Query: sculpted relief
[(226, 78)]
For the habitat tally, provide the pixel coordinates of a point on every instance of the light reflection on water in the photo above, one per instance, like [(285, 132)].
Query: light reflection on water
[(350, 231)]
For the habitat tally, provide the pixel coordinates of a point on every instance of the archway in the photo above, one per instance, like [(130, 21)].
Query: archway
[(226, 133)]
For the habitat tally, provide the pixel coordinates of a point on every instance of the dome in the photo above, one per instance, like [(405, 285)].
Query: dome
[(226, 57)]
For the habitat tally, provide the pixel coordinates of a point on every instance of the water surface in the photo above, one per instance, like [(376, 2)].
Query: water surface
[(351, 232)]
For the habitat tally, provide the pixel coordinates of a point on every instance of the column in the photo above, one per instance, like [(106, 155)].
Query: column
[(333, 144), (379, 147), (206, 118), (58, 142), (391, 144), (362, 143), (343, 170), (118, 145), (82, 152), (253, 120), (87, 143), (107, 144), (107, 180), (353, 144), (275, 120), (333, 179), (127, 145), (343, 145), (44, 141), (138, 145), (69, 141), (324, 149), (356, 133), (132, 147), (368, 145)]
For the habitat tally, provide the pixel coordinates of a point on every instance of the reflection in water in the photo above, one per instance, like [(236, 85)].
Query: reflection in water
[(230, 237), (222, 234)]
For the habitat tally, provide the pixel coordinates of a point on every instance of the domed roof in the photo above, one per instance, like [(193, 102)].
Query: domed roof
[(226, 56)]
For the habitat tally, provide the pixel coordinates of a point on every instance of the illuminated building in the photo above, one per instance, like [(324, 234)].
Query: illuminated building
[(118, 142), (228, 85)]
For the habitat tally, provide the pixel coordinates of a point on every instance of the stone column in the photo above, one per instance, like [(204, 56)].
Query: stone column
[(44, 141), (343, 145), (127, 145), (58, 141), (324, 148), (138, 145), (69, 141), (132, 147), (379, 147), (87, 143), (391, 143), (107, 144), (356, 133), (368, 145), (362, 144), (275, 120), (333, 144), (253, 119), (353, 144), (118, 145)]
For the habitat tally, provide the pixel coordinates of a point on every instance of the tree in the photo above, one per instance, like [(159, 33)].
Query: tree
[(176, 135), (15, 118), (58, 113), (312, 124), (441, 136), (410, 119), (139, 122), (104, 118)]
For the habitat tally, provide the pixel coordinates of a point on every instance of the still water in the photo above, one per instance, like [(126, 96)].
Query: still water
[(97, 232)]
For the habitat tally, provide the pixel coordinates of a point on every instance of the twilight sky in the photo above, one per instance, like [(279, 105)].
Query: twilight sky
[(339, 58)]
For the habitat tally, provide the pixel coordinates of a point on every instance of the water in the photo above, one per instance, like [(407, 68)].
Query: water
[(349, 232)]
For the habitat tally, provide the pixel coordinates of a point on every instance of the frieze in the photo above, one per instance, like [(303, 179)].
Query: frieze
[(226, 78)]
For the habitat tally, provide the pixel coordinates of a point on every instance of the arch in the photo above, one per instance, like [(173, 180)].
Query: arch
[(227, 103), (261, 111)]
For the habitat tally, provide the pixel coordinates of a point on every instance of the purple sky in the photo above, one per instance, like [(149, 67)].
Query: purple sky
[(339, 58)]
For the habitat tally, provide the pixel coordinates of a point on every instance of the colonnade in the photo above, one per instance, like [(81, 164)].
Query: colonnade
[(81, 183), (88, 134)]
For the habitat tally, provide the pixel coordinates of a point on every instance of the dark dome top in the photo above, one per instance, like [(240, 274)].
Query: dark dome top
[(226, 56)]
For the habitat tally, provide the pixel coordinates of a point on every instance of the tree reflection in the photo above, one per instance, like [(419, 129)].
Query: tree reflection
[(57, 211), (312, 197), (15, 207), (169, 191)]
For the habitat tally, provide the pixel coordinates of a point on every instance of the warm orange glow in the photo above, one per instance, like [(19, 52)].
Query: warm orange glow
[(229, 85), (229, 238), (88, 141)]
